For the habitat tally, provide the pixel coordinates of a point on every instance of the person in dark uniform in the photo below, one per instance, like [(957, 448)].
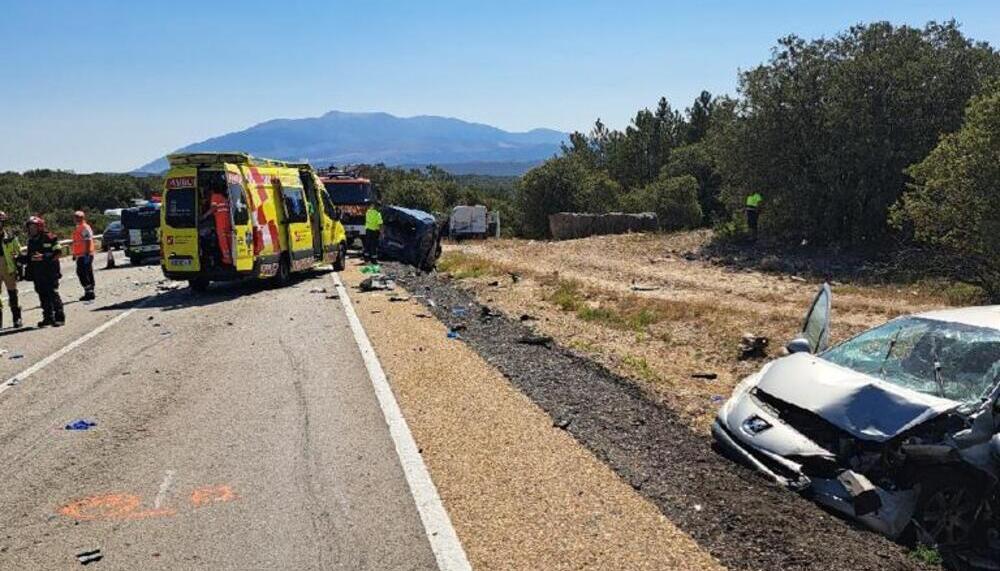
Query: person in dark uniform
[(42, 259)]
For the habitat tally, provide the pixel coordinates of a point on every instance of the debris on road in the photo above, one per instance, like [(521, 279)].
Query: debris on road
[(376, 283), (459, 311), (753, 346), (334, 296), (16, 356), (643, 287), (535, 340), (373, 269), (398, 298), (453, 335), (318, 290), (80, 424), (88, 557), (525, 317), (708, 376)]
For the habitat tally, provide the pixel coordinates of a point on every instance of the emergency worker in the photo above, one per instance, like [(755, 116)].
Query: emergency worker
[(11, 249), (83, 254), (373, 232), (223, 224), (753, 212), (42, 259)]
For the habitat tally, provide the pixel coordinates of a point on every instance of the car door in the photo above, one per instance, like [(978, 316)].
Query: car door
[(816, 326), (239, 210)]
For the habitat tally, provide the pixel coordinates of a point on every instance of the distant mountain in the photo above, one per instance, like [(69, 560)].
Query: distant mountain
[(349, 138)]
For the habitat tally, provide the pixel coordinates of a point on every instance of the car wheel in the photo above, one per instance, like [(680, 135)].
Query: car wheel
[(199, 284), (947, 509), (284, 274), (341, 262)]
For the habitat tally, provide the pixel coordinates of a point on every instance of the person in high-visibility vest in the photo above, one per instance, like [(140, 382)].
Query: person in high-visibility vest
[(373, 232), (83, 253), (223, 225), (753, 212), (11, 249)]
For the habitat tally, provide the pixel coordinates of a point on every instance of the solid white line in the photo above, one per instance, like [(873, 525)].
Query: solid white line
[(437, 525), (162, 494), (20, 377)]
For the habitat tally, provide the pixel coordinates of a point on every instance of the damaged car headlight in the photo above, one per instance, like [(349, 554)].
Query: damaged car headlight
[(755, 425)]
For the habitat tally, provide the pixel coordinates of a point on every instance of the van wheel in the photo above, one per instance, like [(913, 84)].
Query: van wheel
[(341, 262), (284, 274), (199, 284)]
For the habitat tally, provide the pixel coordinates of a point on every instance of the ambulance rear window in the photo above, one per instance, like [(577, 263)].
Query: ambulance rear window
[(180, 208)]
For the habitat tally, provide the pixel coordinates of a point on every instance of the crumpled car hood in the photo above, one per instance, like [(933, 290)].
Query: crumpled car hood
[(862, 406)]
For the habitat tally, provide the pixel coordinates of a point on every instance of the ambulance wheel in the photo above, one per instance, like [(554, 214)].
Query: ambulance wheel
[(284, 274), (341, 262), (199, 284)]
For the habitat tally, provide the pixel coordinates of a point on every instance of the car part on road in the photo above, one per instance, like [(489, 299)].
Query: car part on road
[(88, 557), (80, 424)]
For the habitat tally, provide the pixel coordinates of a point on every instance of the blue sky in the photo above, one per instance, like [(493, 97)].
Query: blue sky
[(108, 85)]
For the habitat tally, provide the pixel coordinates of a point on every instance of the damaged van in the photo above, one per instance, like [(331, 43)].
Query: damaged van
[(228, 216), (898, 427)]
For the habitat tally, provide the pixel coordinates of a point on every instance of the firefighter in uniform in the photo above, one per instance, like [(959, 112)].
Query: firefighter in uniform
[(11, 249), (42, 259), (83, 254), (373, 232), (223, 224)]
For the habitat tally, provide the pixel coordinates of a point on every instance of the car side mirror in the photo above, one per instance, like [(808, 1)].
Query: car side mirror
[(798, 345)]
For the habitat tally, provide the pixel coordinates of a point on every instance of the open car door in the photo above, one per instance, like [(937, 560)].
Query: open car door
[(816, 327)]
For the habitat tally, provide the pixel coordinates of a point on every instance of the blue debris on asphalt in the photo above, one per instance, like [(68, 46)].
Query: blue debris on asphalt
[(80, 424)]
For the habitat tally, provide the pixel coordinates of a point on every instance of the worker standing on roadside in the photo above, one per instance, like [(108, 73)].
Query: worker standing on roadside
[(11, 249), (753, 212), (373, 232), (83, 254), (42, 258)]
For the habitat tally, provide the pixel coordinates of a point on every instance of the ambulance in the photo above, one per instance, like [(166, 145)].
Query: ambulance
[(229, 216)]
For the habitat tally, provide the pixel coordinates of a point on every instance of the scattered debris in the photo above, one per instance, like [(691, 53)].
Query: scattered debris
[(644, 287), (454, 335), (562, 423), (12, 382), (16, 356), (80, 424), (396, 298), (709, 376), (164, 333), (495, 283), (525, 317), (514, 277), (458, 327), (753, 346), (88, 557), (459, 311), (422, 316), (150, 318), (318, 290), (376, 283), (486, 313), (372, 269), (697, 507), (535, 340), (334, 296), (717, 398)]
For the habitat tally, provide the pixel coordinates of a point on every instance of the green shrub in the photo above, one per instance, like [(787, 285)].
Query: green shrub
[(674, 199)]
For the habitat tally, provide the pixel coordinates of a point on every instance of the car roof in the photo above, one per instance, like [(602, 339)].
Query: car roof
[(981, 316)]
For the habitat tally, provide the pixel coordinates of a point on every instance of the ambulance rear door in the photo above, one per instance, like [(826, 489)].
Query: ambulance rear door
[(297, 224), (179, 222), (239, 210)]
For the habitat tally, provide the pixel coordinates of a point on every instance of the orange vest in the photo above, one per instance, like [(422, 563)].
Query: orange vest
[(82, 234)]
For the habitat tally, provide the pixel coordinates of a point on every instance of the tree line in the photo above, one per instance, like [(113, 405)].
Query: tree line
[(877, 138)]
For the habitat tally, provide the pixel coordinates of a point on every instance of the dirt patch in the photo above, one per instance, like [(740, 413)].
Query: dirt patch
[(654, 309), (741, 519)]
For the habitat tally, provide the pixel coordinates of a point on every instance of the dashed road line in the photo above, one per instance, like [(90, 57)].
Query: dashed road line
[(437, 525)]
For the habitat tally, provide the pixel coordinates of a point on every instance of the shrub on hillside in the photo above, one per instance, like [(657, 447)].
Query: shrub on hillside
[(673, 199), (953, 204)]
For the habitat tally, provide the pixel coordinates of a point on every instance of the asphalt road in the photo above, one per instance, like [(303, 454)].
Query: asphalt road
[(234, 430)]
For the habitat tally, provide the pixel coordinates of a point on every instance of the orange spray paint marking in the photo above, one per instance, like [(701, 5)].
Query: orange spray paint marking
[(207, 495), (110, 506)]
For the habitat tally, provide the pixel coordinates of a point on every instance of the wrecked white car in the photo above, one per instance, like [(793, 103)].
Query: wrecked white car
[(898, 427)]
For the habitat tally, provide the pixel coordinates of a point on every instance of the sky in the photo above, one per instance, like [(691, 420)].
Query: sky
[(106, 85)]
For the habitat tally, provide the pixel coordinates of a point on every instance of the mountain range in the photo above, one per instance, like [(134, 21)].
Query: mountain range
[(342, 138)]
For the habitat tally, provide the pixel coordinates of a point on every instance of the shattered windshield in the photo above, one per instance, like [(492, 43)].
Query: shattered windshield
[(950, 360)]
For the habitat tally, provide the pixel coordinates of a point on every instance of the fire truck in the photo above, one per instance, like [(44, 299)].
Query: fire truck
[(352, 195)]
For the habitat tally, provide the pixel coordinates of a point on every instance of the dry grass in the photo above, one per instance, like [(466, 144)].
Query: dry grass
[(690, 322)]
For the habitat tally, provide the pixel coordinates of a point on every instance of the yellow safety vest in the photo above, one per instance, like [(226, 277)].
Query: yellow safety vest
[(754, 200), (373, 219)]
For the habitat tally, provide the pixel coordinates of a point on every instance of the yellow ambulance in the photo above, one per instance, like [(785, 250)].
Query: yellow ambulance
[(228, 216)]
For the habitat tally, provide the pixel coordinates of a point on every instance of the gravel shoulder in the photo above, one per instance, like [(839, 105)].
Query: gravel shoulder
[(521, 492), (744, 521)]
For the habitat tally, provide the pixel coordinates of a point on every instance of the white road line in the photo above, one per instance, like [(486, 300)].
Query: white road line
[(20, 377), (162, 493), (437, 525)]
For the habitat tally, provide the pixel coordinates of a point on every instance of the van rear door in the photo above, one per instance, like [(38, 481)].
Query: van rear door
[(300, 241), (179, 221), (239, 210)]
